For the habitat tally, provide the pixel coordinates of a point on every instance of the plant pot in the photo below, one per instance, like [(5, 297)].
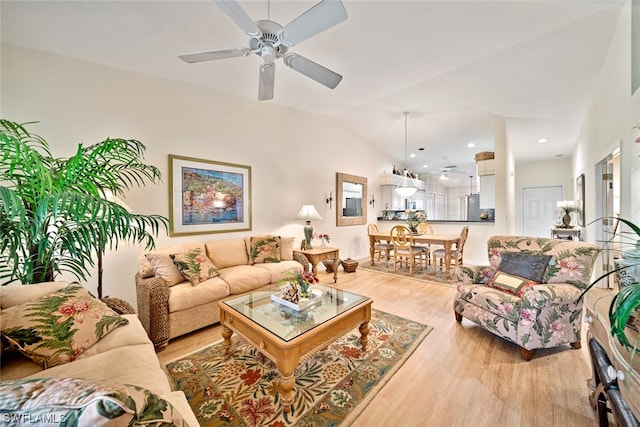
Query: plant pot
[(566, 220)]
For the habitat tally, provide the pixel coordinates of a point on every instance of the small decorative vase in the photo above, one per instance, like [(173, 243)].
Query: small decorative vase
[(566, 220), (322, 243)]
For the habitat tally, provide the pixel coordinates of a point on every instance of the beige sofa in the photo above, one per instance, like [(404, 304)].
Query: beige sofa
[(170, 306), (125, 355)]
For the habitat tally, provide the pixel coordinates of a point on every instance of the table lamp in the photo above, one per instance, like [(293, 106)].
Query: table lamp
[(307, 213)]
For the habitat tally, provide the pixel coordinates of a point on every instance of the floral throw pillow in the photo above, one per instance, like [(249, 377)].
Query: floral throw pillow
[(82, 402), (55, 328), (195, 266), (265, 249), (509, 283)]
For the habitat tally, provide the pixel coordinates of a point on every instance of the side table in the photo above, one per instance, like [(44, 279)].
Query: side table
[(316, 255), (566, 233)]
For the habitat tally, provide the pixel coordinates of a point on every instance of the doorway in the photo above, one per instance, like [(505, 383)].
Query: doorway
[(607, 208), (539, 212)]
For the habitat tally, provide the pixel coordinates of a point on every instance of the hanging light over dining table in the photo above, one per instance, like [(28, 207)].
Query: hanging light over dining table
[(404, 189)]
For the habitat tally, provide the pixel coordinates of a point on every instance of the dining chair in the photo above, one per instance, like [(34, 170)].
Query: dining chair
[(380, 247), (424, 228), (456, 254), (404, 249)]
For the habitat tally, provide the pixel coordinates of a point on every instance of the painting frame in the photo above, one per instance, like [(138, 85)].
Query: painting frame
[(208, 196), (580, 199)]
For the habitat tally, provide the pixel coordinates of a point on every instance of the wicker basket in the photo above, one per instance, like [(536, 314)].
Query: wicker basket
[(485, 155), (349, 265)]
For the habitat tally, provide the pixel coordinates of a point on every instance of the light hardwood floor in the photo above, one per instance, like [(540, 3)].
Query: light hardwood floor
[(460, 375)]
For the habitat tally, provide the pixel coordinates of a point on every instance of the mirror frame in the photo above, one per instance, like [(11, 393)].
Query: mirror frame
[(350, 220)]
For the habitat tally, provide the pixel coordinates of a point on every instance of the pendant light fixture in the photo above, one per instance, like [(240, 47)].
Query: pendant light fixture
[(404, 189)]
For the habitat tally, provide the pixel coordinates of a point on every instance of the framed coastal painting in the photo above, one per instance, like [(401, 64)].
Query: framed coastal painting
[(206, 196)]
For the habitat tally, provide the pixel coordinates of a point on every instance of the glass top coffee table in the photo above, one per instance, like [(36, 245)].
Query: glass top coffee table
[(286, 335)]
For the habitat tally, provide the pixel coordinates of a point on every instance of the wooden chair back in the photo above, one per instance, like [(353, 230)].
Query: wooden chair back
[(424, 228), (401, 237)]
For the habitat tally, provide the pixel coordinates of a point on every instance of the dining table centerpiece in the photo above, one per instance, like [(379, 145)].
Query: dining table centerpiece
[(414, 218)]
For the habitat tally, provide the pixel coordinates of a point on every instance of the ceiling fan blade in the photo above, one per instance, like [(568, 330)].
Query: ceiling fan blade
[(319, 18), (312, 70), (267, 81), (239, 16), (214, 54)]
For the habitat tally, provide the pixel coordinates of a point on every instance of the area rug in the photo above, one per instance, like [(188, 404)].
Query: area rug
[(425, 275), (332, 386)]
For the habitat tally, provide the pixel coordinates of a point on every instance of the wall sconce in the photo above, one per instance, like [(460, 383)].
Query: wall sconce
[(372, 202), (329, 199)]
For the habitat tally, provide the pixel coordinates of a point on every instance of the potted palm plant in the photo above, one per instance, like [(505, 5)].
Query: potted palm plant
[(54, 212)]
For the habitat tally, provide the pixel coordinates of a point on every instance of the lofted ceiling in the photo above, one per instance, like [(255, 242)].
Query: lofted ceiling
[(456, 66)]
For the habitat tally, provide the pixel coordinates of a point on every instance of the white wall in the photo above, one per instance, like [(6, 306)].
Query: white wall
[(294, 155), (609, 122)]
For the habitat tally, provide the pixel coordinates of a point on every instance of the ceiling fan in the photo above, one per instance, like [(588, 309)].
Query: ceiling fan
[(271, 41), (446, 170)]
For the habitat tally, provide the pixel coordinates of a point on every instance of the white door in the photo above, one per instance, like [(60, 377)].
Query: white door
[(539, 210)]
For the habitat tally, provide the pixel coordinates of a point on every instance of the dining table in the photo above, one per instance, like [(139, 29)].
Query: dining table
[(445, 240)]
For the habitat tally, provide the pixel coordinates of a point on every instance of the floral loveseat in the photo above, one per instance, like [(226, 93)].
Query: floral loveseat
[(69, 359), (178, 288), (531, 313)]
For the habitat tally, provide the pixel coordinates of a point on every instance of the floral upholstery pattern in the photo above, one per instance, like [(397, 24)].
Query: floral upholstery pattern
[(546, 315), (265, 249), (55, 328), (194, 265), (81, 402)]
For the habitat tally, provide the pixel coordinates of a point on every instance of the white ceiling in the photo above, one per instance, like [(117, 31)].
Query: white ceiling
[(454, 65)]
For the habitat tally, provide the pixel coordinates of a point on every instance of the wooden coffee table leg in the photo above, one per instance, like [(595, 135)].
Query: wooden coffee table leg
[(364, 335), (226, 334), (286, 387)]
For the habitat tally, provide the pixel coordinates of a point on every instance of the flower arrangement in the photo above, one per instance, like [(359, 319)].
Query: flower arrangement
[(296, 285), (324, 239), (414, 218)]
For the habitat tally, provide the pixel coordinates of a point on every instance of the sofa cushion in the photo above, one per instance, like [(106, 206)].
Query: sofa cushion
[(522, 264), (76, 401), (286, 248), (280, 270), (11, 295), (510, 283), (164, 267), (264, 249), (135, 364), (55, 328), (243, 278), (144, 266), (184, 296), (194, 265), (497, 302), (227, 252)]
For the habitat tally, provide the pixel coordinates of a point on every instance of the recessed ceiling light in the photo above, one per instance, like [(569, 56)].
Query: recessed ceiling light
[(412, 155), (425, 166), (471, 144), (542, 140)]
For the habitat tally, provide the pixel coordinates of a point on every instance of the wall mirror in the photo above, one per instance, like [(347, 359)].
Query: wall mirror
[(351, 199)]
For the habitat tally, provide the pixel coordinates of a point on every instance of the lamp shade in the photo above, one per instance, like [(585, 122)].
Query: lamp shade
[(308, 212), (406, 191)]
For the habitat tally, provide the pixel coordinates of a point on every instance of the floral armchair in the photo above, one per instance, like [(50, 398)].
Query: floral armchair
[(537, 314)]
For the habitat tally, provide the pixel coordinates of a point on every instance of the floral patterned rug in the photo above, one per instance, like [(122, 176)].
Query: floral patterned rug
[(332, 386), (419, 273)]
